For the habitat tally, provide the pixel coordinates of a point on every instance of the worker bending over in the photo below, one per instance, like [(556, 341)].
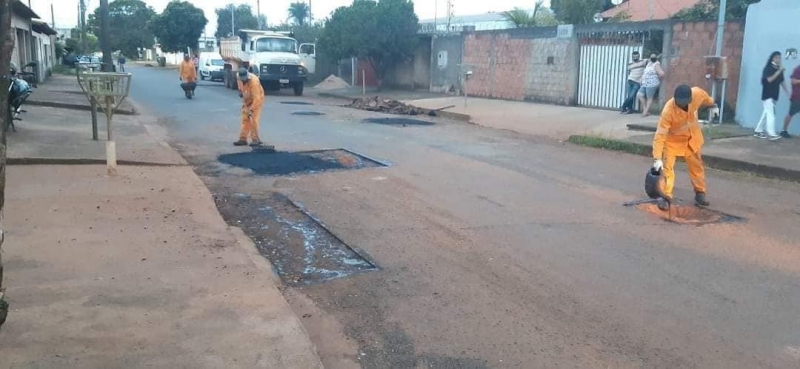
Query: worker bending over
[(252, 100), (679, 134)]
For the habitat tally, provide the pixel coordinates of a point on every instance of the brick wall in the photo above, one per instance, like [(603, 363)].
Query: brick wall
[(691, 43), (513, 65)]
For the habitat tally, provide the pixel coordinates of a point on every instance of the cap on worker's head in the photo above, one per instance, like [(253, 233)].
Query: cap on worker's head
[(243, 75), (683, 95)]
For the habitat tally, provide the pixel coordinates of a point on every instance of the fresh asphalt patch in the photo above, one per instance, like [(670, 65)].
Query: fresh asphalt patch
[(308, 113), (398, 122), (296, 103), (282, 163)]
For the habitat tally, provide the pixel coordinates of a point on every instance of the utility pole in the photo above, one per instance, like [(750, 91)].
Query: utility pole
[(723, 6), (233, 20), (52, 15), (258, 10), (83, 26)]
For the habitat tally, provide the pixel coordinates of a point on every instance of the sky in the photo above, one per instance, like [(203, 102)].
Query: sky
[(66, 11)]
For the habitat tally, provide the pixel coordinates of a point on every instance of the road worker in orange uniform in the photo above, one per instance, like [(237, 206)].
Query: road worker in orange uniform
[(252, 100), (679, 134), (187, 71)]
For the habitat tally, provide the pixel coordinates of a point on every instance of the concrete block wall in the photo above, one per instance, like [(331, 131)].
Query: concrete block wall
[(691, 43), (551, 71)]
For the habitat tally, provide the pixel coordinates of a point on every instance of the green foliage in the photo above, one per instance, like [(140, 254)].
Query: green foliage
[(540, 17), (129, 22), (74, 45), (179, 26), (307, 33), (383, 32), (60, 52), (299, 13), (709, 9), (243, 19), (578, 11)]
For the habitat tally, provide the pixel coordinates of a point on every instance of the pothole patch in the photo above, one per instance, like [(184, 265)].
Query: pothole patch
[(687, 214), (398, 121), (296, 103), (302, 249), (284, 163), (308, 113)]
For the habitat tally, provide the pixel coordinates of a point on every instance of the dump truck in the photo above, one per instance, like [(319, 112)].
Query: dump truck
[(272, 56)]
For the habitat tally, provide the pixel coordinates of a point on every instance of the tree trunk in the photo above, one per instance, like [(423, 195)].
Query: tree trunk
[(6, 48)]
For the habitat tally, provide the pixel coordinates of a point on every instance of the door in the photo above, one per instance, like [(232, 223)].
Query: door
[(308, 56), (603, 74)]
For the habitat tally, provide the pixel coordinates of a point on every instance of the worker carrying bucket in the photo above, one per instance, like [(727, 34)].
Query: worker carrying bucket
[(679, 134), (252, 101)]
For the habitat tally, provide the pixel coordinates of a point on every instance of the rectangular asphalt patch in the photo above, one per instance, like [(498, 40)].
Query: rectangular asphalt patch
[(282, 163)]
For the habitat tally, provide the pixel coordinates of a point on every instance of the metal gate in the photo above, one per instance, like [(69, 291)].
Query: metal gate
[(603, 74)]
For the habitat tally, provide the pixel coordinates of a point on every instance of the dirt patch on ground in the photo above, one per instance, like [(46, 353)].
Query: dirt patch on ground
[(690, 214)]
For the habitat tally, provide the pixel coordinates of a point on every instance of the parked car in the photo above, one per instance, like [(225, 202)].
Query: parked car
[(211, 65), (90, 62)]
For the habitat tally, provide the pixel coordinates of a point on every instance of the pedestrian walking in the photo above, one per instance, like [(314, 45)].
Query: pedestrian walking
[(794, 106), (651, 80), (771, 82), (679, 134), (635, 71), (121, 63)]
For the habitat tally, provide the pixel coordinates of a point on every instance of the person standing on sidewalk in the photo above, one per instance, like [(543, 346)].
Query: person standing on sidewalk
[(771, 82), (635, 70), (794, 107), (679, 134), (252, 101), (651, 80), (121, 62)]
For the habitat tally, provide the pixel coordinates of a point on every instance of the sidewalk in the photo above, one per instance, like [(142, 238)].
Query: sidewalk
[(138, 270), (63, 91), (728, 147)]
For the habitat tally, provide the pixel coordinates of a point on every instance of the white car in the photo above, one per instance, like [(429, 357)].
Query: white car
[(211, 65)]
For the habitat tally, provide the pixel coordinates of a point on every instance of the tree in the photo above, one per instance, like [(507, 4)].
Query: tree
[(125, 16), (73, 43), (578, 11), (6, 48), (179, 27), (540, 17), (709, 9), (307, 33), (243, 19), (300, 13), (383, 32)]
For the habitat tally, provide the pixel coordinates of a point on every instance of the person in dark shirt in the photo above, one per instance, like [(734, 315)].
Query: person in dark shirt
[(794, 107), (771, 81)]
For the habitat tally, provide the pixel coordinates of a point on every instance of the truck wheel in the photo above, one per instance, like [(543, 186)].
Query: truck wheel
[(298, 89)]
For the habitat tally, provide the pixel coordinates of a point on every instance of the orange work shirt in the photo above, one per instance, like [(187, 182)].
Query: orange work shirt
[(252, 92), (187, 71), (679, 130)]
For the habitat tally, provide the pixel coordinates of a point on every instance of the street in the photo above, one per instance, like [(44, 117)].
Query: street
[(497, 250)]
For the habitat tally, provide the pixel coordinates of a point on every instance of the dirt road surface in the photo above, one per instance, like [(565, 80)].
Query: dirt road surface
[(495, 250)]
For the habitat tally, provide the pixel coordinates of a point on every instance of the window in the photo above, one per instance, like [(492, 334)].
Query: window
[(217, 62), (282, 45), (307, 49)]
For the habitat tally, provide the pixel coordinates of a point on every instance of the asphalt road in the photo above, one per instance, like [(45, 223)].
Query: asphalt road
[(502, 251)]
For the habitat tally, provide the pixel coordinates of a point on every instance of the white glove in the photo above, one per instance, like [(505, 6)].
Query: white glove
[(658, 164), (713, 113)]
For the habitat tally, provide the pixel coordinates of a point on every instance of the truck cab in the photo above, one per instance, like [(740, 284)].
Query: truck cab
[(272, 56)]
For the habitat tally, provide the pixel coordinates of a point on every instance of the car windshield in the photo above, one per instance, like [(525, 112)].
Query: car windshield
[(282, 45), (217, 62), (95, 60)]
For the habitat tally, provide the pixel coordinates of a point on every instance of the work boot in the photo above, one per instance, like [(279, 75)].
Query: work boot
[(240, 143), (700, 199), (663, 204)]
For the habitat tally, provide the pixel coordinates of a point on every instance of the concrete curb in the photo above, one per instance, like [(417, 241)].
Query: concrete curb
[(641, 127), (711, 161), (55, 104), (444, 114), (85, 161)]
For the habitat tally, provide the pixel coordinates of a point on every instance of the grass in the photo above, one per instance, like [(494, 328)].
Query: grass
[(63, 69), (610, 144)]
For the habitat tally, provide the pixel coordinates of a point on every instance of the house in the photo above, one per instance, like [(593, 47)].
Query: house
[(644, 10), (34, 40), (481, 22)]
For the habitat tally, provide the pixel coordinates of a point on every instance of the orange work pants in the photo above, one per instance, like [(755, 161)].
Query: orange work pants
[(697, 172), (249, 127)]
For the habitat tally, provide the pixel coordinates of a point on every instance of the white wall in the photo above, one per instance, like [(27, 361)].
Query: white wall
[(771, 25)]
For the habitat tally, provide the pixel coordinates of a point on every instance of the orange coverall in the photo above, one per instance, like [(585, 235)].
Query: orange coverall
[(187, 71), (679, 134), (252, 101)]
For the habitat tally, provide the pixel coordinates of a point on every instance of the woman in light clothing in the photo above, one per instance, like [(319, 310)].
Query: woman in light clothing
[(651, 80), (771, 82)]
